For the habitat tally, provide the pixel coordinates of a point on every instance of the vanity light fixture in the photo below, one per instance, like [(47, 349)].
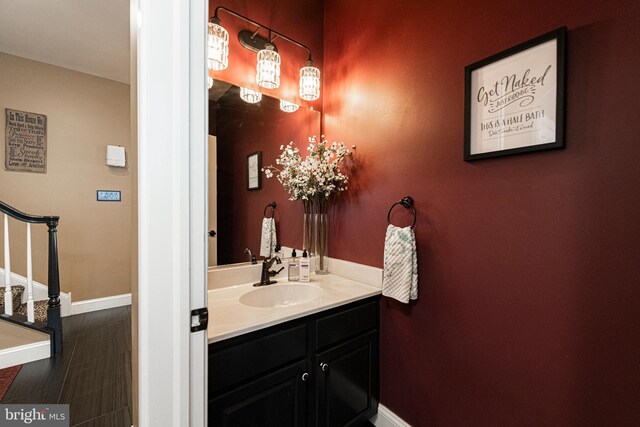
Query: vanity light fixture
[(250, 96), (268, 59), (268, 68), (217, 45), (309, 82), (288, 107)]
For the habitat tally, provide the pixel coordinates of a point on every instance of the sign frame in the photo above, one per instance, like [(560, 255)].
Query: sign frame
[(515, 100)]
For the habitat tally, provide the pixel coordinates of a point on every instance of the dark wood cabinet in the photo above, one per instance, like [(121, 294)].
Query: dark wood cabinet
[(347, 382), (278, 399), (317, 371)]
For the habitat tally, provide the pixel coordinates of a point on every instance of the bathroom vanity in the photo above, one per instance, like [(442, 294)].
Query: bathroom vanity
[(307, 364)]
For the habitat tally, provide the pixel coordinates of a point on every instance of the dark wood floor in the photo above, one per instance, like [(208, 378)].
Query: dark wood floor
[(92, 375)]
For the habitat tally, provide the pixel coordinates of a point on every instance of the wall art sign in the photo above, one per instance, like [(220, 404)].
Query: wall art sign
[(25, 141), (514, 100), (254, 164)]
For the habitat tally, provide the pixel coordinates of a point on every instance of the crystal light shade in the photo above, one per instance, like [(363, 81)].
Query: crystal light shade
[(268, 68), (217, 46), (288, 107), (250, 96), (309, 82)]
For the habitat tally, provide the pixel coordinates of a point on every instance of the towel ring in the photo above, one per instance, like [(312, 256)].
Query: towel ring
[(407, 203), (271, 205)]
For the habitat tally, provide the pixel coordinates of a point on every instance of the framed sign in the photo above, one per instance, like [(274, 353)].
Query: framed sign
[(254, 178), (25, 141), (514, 100)]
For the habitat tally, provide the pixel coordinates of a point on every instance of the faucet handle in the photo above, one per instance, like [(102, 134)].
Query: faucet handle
[(272, 260)]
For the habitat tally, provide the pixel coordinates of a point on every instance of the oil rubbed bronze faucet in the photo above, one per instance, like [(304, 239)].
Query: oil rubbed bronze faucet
[(265, 277), (252, 257)]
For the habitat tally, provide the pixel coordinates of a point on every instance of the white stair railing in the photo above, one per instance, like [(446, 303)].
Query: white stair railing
[(8, 300), (30, 309), (54, 318), (8, 296)]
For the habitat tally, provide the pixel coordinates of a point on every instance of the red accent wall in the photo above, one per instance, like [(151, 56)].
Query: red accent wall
[(529, 306)]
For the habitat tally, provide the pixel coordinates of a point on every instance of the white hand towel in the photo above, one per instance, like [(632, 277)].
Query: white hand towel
[(268, 237), (400, 278)]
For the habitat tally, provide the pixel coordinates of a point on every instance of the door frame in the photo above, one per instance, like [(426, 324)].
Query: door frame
[(212, 194), (172, 254)]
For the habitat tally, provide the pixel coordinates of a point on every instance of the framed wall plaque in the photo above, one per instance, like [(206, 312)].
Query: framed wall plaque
[(25, 141), (514, 100), (254, 178)]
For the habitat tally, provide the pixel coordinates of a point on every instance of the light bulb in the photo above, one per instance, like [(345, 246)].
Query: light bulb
[(268, 68), (250, 96), (217, 46), (309, 82), (288, 107)]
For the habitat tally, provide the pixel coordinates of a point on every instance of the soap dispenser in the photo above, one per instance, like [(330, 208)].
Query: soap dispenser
[(304, 267), (294, 268)]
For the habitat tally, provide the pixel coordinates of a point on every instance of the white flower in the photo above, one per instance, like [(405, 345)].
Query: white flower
[(314, 177)]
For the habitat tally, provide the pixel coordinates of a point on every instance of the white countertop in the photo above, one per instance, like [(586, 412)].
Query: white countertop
[(228, 317)]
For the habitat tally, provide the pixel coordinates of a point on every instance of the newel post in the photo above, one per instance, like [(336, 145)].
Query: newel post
[(54, 319)]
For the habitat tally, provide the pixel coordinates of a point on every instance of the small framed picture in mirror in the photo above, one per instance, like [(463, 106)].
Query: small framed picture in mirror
[(254, 178)]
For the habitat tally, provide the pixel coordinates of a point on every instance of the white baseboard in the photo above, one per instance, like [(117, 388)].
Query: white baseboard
[(25, 354), (100, 303), (386, 418), (40, 292)]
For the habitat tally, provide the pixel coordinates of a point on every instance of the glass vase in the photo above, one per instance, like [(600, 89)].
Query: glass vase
[(321, 236), (308, 233), (315, 233)]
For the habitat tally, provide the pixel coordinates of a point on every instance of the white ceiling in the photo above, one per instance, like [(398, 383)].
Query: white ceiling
[(90, 36)]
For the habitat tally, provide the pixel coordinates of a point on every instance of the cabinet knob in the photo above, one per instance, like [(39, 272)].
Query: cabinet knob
[(305, 376), (324, 367)]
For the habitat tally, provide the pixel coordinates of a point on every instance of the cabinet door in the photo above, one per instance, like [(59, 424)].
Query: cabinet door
[(347, 382), (275, 400)]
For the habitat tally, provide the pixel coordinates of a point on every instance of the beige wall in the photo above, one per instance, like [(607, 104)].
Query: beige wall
[(84, 114)]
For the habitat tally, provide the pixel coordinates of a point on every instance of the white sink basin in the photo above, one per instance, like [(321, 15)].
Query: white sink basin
[(281, 295)]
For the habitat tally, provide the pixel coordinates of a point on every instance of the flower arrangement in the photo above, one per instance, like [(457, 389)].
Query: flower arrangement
[(313, 179), (316, 176)]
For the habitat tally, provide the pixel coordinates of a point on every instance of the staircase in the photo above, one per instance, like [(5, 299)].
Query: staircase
[(17, 291), (18, 344), (40, 316)]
